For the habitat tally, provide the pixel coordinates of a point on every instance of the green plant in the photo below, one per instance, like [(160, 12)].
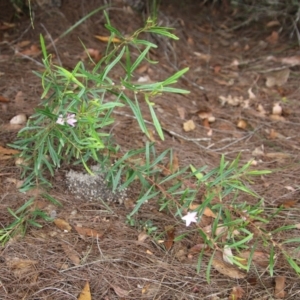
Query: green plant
[(237, 227), (24, 216), (69, 126)]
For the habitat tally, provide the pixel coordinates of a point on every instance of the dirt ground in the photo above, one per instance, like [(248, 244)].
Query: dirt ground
[(244, 72)]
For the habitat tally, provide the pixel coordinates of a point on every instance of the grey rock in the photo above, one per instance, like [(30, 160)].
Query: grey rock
[(93, 187)]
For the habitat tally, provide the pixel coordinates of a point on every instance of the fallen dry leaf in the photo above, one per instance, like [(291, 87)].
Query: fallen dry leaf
[(247, 47), (290, 188), (209, 132), (258, 151), (119, 291), (221, 230), (23, 44), (17, 263), (11, 180), (21, 267), (226, 269), (71, 254), (261, 110), (11, 127), (35, 192), (196, 249), (129, 203), (297, 226), (181, 112), (20, 99), (107, 38), (145, 288), (277, 155), (142, 69), (273, 23), (190, 41), (189, 125), (273, 134), (203, 56), (217, 69), (207, 211), (251, 94), (143, 79), (292, 60), (88, 232), (273, 38), (170, 231), (142, 236), (279, 292), (151, 290), (3, 99), (277, 118), (205, 124), (6, 153), (93, 53), (278, 78), (224, 82), (236, 293), (206, 114), (85, 293), (6, 25), (233, 101), (259, 258), (288, 203), (242, 124), (20, 161), (31, 51), (277, 109), (62, 225), (180, 251)]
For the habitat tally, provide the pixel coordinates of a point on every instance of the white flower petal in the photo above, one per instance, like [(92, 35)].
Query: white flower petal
[(190, 218)]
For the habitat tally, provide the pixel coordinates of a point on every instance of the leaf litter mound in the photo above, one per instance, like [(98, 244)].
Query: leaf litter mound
[(244, 99)]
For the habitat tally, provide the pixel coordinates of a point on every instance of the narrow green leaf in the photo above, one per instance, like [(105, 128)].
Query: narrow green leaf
[(271, 261), (293, 240), (156, 123), (112, 64), (139, 59), (70, 76), (173, 79), (242, 242), (208, 270), (196, 173), (163, 31), (43, 46)]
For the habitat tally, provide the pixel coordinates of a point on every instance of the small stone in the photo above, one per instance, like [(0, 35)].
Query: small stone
[(93, 187), (19, 119)]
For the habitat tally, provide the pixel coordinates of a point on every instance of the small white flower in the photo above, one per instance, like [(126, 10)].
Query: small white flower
[(71, 120), (60, 120), (190, 218)]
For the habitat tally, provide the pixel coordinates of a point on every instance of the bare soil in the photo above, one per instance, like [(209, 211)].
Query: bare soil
[(225, 59)]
